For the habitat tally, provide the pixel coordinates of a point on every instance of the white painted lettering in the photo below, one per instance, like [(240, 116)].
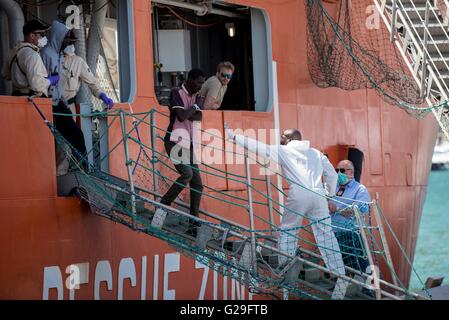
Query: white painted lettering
[(143, 282), (199, 265), (171, 264), (156, 277), (103, 272), (126, 270), (52, 280)]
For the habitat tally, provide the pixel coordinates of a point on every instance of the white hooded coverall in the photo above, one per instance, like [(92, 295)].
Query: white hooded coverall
[(305, 166)]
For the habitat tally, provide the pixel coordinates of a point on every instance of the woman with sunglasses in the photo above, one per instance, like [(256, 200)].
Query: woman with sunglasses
[(215, 87)]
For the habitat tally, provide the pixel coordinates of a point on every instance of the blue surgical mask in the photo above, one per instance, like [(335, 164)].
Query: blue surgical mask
[(69, 50), (342, 179)]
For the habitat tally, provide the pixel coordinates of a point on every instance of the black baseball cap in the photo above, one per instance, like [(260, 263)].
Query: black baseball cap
[(34, 25), (70, 36)]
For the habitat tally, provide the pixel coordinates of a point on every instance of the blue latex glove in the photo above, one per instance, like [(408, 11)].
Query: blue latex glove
[(53, 80), (108, 101)]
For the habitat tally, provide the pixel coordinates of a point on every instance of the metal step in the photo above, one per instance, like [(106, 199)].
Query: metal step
[(215, 238), (410, 3), (435, 29), (438, 46), (418, 15)]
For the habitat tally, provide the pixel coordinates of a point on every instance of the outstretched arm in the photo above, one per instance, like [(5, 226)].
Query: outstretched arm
[(329, 175), (261, 149)]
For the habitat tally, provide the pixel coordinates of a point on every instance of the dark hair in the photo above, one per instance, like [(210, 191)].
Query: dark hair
[(195, 74), (33, 25), (295, 134)]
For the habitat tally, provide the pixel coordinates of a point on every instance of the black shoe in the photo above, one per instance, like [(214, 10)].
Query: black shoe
[(194, 223), (369, 293), (228, 246), (192, 231)]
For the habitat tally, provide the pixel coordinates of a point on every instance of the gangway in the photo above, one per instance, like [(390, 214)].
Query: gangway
[(231, 248)]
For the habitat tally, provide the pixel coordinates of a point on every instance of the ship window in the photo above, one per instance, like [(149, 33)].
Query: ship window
[(188, 35), (127, 64), (116, 64), (115, 67)]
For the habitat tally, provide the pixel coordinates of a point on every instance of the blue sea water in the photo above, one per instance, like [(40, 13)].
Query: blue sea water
[(432, 250)]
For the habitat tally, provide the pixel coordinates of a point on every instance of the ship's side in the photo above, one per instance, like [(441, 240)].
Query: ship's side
[(42, 234)]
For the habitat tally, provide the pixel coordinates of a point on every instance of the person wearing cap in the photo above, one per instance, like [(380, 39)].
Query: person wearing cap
[(75, 70), (53, 58), (24, 66)]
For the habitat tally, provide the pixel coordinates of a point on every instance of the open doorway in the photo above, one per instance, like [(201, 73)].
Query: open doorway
[(185, 38)]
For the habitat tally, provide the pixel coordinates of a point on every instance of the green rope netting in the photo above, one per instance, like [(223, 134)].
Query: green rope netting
[(232, 248), (344, 52)]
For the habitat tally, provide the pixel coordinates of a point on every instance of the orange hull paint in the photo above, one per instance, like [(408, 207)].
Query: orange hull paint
[(41, 230)]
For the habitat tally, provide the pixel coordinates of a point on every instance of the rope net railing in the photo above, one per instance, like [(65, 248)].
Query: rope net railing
[(237, 232), (351, 49)]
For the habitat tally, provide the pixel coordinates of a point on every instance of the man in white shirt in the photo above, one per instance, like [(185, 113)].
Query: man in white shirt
[(304, 168)]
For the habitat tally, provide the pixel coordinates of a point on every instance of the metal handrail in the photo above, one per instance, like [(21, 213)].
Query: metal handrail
[(417, 47), (427, 32), (413, 61), (402, 12)]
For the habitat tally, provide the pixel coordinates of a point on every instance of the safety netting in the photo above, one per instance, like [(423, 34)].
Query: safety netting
[(239, 236), (349, 47)]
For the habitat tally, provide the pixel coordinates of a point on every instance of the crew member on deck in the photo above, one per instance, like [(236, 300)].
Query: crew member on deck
[(75, 70), (24, 66), (53, 58), (215, 87)]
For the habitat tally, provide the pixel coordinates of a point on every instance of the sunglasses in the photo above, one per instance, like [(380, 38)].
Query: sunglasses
[(227, 75), (342, 170), (42, 33)]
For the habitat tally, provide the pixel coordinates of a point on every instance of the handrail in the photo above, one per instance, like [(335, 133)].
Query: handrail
[(427, 33), (423, 50), (413, 59)]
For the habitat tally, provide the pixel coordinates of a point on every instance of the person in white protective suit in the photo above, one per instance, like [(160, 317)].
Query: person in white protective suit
[(305, 169)]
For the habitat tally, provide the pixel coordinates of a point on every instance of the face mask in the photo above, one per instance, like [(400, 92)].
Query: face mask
[(342, 179), (42, 42), (69, 49)]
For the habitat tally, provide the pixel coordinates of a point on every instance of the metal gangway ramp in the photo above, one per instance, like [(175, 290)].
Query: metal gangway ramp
[(245, 249)]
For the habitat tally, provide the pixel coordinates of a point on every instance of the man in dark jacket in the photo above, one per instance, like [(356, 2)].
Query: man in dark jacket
[(180, 141)]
